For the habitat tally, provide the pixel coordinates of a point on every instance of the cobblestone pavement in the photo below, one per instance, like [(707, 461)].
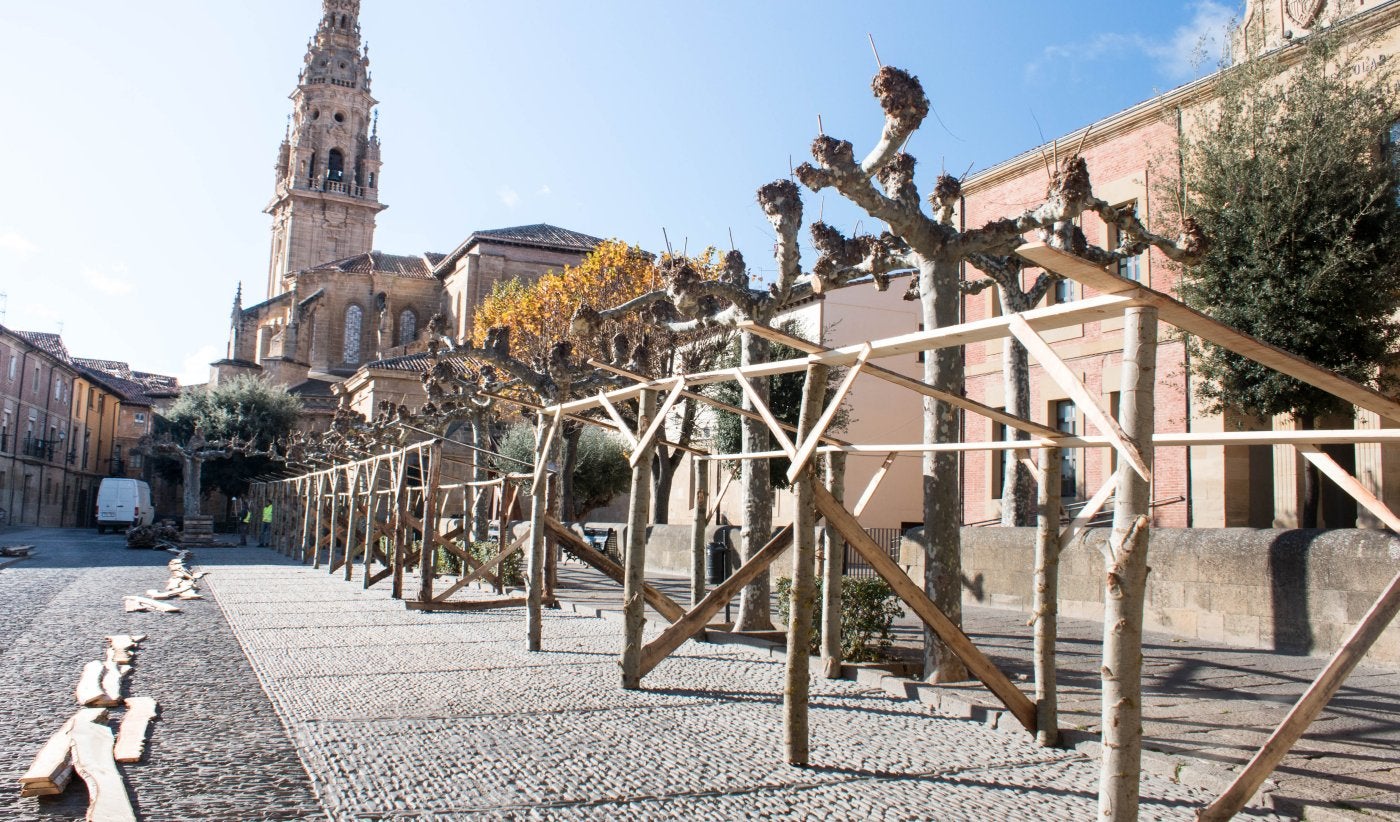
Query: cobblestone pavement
[(217, 751), (1204, 702), (402, 714)]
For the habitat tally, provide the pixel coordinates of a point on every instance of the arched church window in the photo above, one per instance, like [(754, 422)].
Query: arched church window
[(408, 327), (335, 166), (354, 326)]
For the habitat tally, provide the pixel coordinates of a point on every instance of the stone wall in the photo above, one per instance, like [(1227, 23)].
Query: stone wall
[(1291, 591)]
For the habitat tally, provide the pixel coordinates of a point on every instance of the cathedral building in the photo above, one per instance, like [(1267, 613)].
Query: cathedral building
[(334, 305)]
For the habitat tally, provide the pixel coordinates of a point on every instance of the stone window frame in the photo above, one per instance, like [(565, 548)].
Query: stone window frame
[(353, 344)]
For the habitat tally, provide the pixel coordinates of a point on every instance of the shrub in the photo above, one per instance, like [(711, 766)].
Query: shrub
[(868, 609)]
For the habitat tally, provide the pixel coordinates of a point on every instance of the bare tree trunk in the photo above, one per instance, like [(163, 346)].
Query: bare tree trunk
[(634, 563), (797, 683), (534, 561), (193, 468), (567, 459), (697, 530), (943, 369), (1126, 580), (1312, 484), (1047, 594), (663, 474), (755, 608), (1017, 489), (833, 549), (481, 508)]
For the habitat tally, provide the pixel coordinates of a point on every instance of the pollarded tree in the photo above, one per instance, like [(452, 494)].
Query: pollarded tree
[(1295, 180)]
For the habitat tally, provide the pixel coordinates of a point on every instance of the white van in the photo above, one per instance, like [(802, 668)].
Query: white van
[(122, 503)]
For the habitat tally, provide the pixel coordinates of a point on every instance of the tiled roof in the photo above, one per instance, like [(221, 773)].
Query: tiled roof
[(399, 265), (539, 235), (113, 367), (415, 363), (157, 384), (51, 344), (542, 234), (130, 392), (312, 388)]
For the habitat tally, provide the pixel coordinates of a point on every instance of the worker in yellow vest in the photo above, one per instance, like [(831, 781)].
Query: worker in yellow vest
[(267, 525)]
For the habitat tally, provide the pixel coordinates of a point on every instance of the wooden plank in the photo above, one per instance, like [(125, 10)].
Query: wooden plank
[(1088, 403), (1349, 484), (620, 424), (1089, 511), (89, 692), (539, 473), (487, 567), (695, 620), (131, 736), (113, 674), (658, 423), (977, 663), (911, 383), (469, 605), (808, 446), (765, 412), (1194, 322), (875, 481), (662, 604), (148, 604), (49, 772), (1314, 699), (94, 762)]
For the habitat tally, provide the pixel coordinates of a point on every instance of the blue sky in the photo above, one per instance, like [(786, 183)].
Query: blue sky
[(139, 137)]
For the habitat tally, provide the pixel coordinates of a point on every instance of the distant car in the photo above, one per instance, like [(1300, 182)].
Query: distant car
[(122, 503)]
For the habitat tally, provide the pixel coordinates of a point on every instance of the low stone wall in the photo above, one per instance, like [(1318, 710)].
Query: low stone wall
[(1291, 591)]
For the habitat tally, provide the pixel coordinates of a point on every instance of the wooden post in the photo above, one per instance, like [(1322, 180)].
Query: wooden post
[(634, 562), (534, 561), (400, 528), (554, 488), (1314, 699), (833, 551), (1126, 579), (320, 511), (1047, 592), (797, 682), (333, 518), (503, 526), (427, 553), (700, 472)]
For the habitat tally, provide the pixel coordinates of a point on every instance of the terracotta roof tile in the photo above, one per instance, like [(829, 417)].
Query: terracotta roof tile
[(399, 265), (51, 344)]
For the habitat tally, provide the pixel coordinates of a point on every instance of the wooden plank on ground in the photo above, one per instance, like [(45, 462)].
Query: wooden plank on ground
[(89, 692), (131, 736), (662, 604), (135, 603), (52, 767), (699, 616), (977, 663), (94, 762)]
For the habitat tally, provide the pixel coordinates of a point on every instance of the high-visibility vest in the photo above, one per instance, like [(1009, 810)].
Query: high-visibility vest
[(267, 513)]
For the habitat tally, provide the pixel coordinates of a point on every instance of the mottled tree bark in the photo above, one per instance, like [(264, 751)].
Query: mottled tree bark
[(797, 672), (1047, 594), (833, 549), (534, 560), (1126, 581), (1312, 485), (1018, 487), (755, 610), (634, 562), (698, 529)]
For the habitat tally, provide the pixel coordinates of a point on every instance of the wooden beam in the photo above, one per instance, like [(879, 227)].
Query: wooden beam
[(1066, 379), (93, 760), (1089, 511), (619, 424), (875, 481), (912, 384), (487, 567), (763, 411), (977, 663), (659, 602), (131, 736), (52, 767), (1314, 699), (1349, 484), (544, 452), (658, 423), (808, 446), (695, 620), (1194, 322)]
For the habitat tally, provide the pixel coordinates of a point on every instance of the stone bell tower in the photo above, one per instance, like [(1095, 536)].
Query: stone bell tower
[(327, 183)]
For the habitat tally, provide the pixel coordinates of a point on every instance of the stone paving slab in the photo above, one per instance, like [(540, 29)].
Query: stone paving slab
[(466, 722)]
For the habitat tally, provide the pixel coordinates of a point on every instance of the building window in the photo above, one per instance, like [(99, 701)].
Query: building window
[(335, 166), (1065, 417), (140, 418), (1062, 292), (14, 366), (408, 327), (1129, 268), (354, 326), (57, 388), (34, 386)]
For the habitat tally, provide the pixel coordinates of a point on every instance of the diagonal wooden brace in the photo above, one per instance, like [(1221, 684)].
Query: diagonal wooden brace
[(875, 481), (658, 423), (1064, 377), (618, 422), (662, 604), (1089, 511), (761, 407), (809, 445), (1349, 484), (977, 663)]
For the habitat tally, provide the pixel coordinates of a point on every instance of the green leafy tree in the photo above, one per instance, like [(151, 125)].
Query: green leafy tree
[(1294, 179), (245, 408), (601, 470)]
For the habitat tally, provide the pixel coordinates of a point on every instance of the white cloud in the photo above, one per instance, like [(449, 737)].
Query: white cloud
[(1192, 50), (508, 196), (108, 283), (544, 191), (16, 243), (194, 369)]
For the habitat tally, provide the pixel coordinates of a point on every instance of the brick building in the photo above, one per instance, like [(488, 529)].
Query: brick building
[(334, 303)]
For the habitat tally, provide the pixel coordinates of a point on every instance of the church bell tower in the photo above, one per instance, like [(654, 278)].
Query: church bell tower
[(327, 182)]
